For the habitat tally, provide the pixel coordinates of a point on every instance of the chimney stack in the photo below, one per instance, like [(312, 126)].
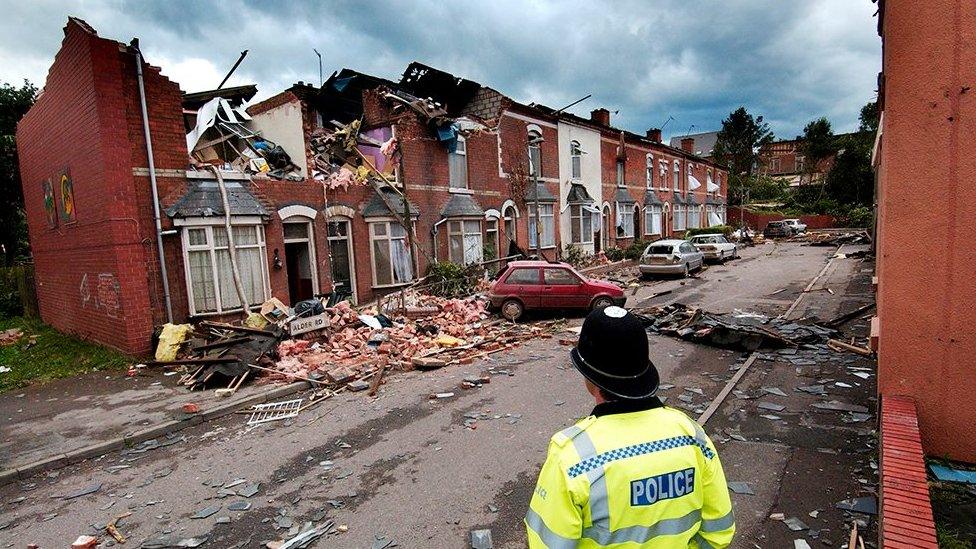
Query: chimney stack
[(688, 144), (654, 134), (600, 116)]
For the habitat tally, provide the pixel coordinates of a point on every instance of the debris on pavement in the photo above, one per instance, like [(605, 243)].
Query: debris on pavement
[(84, 542), (273, 411), (867, 505), (740, 331), (90, 489), (481, 539), (951, 474), (741, 488)]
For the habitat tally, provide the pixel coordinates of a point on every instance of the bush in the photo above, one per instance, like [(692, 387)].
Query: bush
[(448, 279), (614, 253), (575, 256), (858, 216), (636, 249), (723, 229)]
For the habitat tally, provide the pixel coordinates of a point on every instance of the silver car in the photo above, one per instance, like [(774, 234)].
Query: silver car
[(671, 257), (715, 247), (796, 225)]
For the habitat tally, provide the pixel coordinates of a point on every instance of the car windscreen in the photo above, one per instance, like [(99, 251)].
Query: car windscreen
[(659, 250)]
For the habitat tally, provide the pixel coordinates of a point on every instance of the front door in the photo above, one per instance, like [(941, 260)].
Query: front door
[(340, 252), (300, 261)]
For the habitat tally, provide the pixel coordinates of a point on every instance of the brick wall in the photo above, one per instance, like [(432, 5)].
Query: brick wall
[(759, 221)]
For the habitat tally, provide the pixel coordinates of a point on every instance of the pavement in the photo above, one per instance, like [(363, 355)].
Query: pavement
[(424, 472)]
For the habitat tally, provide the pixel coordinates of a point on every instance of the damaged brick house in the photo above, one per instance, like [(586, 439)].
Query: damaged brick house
[(472, 163)]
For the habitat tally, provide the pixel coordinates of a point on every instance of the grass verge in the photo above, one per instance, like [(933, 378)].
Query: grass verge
[(51, 355)]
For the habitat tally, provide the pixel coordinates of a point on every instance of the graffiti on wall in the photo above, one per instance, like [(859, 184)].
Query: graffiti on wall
[(104, 294), (67, 192), (50, 208)]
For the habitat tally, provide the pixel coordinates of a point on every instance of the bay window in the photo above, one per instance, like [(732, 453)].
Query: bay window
[(581, 224), (209, 274), (625, 220), (652, 220), (694, 217), (392, 263), (547, 219), (465, 243), (679, 217)]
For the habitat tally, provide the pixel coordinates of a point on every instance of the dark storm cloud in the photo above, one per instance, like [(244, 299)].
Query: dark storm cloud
[(693, 61)]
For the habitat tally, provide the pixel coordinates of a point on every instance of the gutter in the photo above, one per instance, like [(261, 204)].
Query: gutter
[(152, 182)]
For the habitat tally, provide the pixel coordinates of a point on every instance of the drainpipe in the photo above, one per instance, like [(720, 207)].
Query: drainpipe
[(152, 183), (433, 235)]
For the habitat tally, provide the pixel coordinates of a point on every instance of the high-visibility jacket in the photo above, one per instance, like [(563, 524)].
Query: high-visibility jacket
[(631, 476)]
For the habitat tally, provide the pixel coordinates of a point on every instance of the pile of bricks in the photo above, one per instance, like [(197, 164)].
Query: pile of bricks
[(453, 331)]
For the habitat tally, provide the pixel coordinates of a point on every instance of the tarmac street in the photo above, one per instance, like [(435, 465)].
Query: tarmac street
[(420, 472)]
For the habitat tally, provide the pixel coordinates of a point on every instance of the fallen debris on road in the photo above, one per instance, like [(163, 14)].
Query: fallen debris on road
[(738, 330)]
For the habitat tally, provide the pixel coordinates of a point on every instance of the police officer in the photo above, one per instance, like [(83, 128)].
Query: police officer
[(633, 472)]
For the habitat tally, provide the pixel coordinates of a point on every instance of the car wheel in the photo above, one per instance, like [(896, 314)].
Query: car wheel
[(687, 270), (513, 309), (602, 303)]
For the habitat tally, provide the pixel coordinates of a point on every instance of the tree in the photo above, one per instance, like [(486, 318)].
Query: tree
[(870, 117), (14, 103), (817, 145), (851, 179), (737, 147)]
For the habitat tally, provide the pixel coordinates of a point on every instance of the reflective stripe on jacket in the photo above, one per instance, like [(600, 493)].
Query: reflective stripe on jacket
[(648, 477)]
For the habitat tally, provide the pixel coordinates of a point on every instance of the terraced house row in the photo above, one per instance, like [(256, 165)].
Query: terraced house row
[(126, 215)]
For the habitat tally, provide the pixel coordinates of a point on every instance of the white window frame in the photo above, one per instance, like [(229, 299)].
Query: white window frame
[(461, 150), (652, 218), (575, 160), (388, 237), (679, 219), (676, 175), (621, 174), (625, 218), (211, 247), (694, 217), (578, 218), (491, 234), (458, 228), (650, 171), (546, 217), (534, 171), (663, 169)]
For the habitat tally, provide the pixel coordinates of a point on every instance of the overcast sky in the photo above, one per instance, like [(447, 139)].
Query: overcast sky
[(694, 61)]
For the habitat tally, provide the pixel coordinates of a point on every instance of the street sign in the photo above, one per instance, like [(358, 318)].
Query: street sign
[(308, 323)]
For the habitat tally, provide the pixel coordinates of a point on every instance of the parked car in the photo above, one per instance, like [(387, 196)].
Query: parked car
[(796, 225), (715, 247), (524, 285), (671, 257), (777, 229)]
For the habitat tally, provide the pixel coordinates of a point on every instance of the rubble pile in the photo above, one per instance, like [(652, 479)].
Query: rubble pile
[(817, 238), (738, 330), (429, 332)]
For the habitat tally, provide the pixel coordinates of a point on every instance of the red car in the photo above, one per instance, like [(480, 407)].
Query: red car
[(543, 285)]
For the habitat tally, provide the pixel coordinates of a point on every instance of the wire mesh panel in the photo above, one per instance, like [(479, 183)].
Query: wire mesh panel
[(273, 411)]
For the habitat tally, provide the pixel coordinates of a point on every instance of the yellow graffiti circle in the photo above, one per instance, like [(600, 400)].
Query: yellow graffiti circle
[(67, 197)]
